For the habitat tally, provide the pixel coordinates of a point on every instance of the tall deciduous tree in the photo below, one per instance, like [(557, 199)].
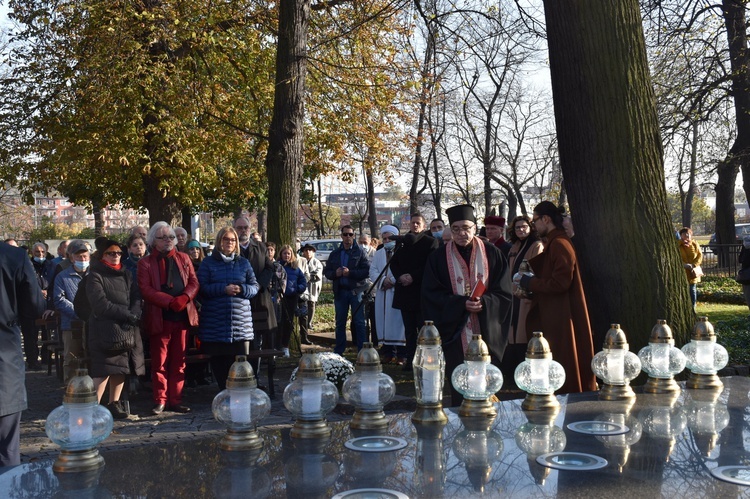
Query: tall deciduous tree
[(611, 158), (284, 163)]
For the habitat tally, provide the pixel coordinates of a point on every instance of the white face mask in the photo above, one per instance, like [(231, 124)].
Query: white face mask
[(389, 245)]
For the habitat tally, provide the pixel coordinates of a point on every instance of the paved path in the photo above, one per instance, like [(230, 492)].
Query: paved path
[(46, 392)]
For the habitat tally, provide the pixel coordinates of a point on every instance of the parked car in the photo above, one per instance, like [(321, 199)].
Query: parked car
[(323, 248), (740, 231)]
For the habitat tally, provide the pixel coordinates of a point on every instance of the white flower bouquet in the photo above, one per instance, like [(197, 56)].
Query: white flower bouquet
[(336, 367)]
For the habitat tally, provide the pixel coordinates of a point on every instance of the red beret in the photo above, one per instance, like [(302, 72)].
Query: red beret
[(499, 221)]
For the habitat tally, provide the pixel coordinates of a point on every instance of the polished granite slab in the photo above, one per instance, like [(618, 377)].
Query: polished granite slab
[(669, 450)]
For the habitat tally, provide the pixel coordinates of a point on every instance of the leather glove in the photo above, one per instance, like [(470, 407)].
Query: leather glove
[(133, 319), (179, 303)]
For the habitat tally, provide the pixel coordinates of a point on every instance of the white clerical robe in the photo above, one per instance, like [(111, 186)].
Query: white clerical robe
[(387, 319)]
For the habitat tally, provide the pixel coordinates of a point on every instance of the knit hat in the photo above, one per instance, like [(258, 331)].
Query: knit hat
[(102, 243), (193, 244)]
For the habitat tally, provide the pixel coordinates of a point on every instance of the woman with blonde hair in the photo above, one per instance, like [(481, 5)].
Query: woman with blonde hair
[(227, 283), (296, 286)]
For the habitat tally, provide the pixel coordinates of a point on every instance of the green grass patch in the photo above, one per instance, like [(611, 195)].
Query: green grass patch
[(717, 312), (714, 289), (732, 326)]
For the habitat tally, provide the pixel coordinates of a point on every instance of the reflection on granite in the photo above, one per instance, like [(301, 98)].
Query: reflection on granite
[(661, 457)]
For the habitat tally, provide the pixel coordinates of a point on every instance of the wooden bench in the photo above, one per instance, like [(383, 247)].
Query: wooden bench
[(268, 354)]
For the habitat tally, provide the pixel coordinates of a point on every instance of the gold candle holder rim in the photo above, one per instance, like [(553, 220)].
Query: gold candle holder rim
[(241, 374), (538, 347), (615, 338), (703, 330), (310, 366), (80, 389), (477, 349), (368, 359), (661, 333)]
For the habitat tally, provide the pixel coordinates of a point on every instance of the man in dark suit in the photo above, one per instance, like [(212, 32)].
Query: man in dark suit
[(407, 266), (20, 299)]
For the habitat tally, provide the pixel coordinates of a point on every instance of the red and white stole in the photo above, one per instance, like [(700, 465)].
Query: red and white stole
[(463, 279)]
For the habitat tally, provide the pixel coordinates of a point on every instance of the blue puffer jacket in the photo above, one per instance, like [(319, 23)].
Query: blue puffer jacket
[(225, 318), (296, 284)]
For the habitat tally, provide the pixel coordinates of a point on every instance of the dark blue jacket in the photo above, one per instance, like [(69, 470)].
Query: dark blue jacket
[(225, 318), (359, 268), (20, 299), (296, 284)]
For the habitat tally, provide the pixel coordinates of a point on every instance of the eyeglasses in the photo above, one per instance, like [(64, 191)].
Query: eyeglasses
[(229, 239), (242, 227), (465, 229), (113, 253), (535, 219), (347, 234), (522, 227), (166, 238)]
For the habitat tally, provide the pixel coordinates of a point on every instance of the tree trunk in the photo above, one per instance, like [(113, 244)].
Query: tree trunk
[(261, 216), (285, 160), (424, 96), (186, 220), (739, 154), (160, 207), (98, 218), (687, 205), (611, 159), (372, 214), (321, 228)]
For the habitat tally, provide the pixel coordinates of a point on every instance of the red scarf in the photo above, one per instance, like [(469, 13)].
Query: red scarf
[(116, 267)]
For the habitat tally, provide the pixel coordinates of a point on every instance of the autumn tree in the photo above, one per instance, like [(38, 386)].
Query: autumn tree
[(154, 104), (709, 42), (611, 159)]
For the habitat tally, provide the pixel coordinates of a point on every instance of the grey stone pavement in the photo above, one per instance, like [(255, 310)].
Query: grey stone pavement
[(46, 393)]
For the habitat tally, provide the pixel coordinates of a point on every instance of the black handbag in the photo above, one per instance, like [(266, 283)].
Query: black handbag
[(743, 276), (121, 338)]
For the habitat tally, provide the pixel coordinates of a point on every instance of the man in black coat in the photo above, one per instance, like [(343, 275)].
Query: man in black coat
[(407, 266), (20, 299)]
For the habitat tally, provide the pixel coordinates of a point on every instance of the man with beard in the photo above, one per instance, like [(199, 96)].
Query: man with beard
[(407, 266), (452, 297), (558, 307), (264, 317)]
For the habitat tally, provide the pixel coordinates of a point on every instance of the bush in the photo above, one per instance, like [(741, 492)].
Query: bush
[(734, 335), (713, 289)]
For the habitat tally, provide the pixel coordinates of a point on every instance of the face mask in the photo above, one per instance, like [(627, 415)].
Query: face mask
[(389, 245), (81, 265), (438, 234), (39, 259)]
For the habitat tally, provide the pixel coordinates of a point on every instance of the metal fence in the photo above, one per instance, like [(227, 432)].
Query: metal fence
[(721, 259)]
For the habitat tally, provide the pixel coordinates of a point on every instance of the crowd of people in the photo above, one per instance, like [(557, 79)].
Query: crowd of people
[(151, 297)]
